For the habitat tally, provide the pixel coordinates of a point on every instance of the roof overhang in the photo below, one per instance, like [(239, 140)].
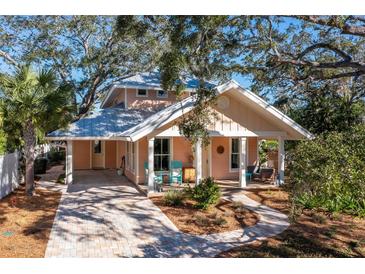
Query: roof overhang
[(175, 111), (167, 116)]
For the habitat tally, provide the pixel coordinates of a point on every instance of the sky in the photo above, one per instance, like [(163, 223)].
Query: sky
[(242, 80)]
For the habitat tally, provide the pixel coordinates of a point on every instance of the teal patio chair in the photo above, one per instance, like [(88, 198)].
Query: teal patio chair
[(175, 175), (158, 179)]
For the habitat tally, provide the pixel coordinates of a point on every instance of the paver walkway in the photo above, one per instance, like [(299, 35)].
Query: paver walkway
[(106, 216)]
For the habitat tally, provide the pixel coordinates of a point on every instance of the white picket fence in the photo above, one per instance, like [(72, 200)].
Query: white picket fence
[(8, 173)]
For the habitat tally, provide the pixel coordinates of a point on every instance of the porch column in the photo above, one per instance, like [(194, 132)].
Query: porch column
[(281, 157), (151, 172), (243, 161), (69, 165), (198, 161)]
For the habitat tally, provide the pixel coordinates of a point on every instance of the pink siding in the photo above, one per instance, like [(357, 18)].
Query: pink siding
[(110, 154), (149, 102), (143, 157), (252, 150), (220, 162), (120, 149), (182, 151), (81, 154)]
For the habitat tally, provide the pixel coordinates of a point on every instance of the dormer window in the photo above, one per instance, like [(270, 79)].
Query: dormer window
[(161, 93), (142, 93)]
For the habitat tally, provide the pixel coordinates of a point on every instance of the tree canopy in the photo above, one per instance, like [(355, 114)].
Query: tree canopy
[(289, 60), (84, 51), (301, 64), (33, 103)]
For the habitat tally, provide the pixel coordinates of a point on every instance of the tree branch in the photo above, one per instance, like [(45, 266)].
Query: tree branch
[(334, 22), (7, 57), (344, 55)]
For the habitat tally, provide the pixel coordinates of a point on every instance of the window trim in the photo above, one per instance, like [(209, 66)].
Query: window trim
[(101, 147), (141, 96), (230, 156), (163, 96), (170, 155)]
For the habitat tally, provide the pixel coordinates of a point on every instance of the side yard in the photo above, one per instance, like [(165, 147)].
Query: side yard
[(26, 222), (313, 234)]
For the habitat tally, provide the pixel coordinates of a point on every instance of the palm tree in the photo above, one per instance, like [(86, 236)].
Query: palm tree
[(37, 103)]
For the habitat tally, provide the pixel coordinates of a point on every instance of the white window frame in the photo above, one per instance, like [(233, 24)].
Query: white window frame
[(101, 147), (166, 95), (169, 153), (230, 156), (141, 96)]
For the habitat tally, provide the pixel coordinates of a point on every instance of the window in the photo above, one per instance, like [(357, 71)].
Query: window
[(161, 93), (234, 154), (97, 147), (162, 154), (142, 93)]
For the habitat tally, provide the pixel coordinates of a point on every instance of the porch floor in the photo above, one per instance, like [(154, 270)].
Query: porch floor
[(225, 185)]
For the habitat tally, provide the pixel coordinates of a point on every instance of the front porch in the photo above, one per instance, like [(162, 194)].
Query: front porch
[(230, 160), (225, 186)]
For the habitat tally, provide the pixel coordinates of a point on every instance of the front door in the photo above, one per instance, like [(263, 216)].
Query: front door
[(98, 154)]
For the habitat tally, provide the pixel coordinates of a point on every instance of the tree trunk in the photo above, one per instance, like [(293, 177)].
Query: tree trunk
[(29, 149)]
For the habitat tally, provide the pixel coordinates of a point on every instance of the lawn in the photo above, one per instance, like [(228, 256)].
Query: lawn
[(26, 222), (313, 234)]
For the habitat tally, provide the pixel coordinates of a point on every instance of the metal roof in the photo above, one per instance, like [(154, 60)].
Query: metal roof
[(148, 80), (152, 80), (103, 124), (132, 124)]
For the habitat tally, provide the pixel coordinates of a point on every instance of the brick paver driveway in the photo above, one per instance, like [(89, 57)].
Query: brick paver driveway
[(103, 215)]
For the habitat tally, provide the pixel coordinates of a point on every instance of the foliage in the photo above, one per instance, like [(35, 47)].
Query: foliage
[(174, 198), (206, 193), (220, 221), (34, 103), (325, 111), (290, 60), (84, 51), (201, 220), (40, 165), (199, 46), (328, 172), (56, 156), (266, 146)]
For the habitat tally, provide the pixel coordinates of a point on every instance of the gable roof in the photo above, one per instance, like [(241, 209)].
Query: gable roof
[(133, 124), (175, 111), (103, 124), (147, 80)]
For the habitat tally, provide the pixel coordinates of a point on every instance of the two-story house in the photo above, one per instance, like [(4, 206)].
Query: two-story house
[(136, 128)]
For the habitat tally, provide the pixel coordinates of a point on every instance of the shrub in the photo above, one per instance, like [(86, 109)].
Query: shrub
[(206, 193), (40, 165), (174, 198), (220, 221), (328, 172), (201, 220), (55, 156)]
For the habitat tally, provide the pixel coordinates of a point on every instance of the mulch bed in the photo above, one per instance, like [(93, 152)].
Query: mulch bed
[(26, 222), (313, 234), (200, 222)]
